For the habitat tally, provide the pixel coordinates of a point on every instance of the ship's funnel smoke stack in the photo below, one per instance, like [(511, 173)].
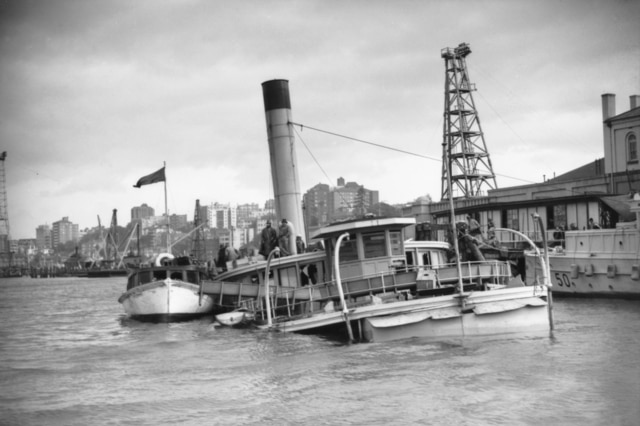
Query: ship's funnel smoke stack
[(282, 151)]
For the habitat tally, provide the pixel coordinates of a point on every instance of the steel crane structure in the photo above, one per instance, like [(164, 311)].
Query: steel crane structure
[(466, 166)]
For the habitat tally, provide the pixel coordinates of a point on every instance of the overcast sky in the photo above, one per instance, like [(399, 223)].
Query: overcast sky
[(96, 94)]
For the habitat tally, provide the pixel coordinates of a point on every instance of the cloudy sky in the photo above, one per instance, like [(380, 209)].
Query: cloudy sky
[(95, 94)]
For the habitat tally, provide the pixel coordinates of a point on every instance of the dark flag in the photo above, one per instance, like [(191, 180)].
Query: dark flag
[(154, 177)]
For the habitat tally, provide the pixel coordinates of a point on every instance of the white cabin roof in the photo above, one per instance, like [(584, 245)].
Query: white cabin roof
[(363, 225)]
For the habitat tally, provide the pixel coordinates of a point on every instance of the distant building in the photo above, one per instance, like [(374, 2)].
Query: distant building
[(142, 212), (316, 205), (64, 231), (43, 237), (323, 204), (178, 221)]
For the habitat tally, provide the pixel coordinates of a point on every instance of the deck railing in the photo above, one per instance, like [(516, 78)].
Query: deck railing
[(400, 285)]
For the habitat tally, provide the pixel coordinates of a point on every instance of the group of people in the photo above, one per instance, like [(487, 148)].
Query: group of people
[(282, 238), (475, 230), (227, 254)]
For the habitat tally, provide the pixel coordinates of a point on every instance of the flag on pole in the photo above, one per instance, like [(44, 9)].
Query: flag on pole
[(154, 177)]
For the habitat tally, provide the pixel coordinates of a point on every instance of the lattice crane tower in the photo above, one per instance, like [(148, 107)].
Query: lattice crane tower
[(464, 152), (4, 214)]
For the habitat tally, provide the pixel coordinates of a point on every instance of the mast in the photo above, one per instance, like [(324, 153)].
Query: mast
[(4, 214), (166, 209), (199, 245)]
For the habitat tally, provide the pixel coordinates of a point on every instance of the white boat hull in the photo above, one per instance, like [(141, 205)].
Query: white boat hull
[(166, 298), (508, 310)]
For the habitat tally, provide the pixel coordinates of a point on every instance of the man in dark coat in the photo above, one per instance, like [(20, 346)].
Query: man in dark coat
[(268, 240)]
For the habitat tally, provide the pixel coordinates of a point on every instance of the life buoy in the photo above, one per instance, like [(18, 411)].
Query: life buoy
[(162, 258)]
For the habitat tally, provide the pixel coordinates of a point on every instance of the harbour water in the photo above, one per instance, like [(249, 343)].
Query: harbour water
[(68, 356)]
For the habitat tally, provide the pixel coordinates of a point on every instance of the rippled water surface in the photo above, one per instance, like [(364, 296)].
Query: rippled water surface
[(68, 356)]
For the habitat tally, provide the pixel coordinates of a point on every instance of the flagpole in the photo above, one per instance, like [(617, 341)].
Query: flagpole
[(166, 210)]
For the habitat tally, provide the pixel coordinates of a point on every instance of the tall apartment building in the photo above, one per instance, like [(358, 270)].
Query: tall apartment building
[(226, 216), (324, 205), (142, 212), (43, 237), (247, 212), (64, 231), (316, 205)]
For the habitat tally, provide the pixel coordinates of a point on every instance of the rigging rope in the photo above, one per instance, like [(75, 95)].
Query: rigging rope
[(302, 126)]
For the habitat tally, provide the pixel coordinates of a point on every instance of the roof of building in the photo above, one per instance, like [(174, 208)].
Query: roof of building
[(592, 169), (632, 113)]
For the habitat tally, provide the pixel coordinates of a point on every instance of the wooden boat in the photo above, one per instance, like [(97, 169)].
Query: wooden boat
[(595, 262), (168, 290), (382, 288)]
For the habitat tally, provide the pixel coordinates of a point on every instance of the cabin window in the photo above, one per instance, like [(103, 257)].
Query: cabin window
[(192, 277), (409, 257), (632, 148), (349, 249), (374, 245), (396, 243), (159, 274), (176, 275), (309, 274), (426, 258), (287, 277)]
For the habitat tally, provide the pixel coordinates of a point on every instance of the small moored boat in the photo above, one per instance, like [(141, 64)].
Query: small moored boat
[(170, 290)]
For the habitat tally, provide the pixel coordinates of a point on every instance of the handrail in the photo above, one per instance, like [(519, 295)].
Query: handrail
[(500, 271)]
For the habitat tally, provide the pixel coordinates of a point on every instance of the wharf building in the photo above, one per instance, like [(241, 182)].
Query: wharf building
[(567, 201)]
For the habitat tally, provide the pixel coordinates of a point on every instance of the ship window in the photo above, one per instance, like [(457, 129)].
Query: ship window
[(287, 277), (632, 147), (374, 245), (396, 242), (160, 274), (409, 257), (426, 258), (348, 249), (192, 277), (176, 275)]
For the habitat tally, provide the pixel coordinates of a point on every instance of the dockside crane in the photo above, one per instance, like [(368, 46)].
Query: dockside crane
[(464, 151)]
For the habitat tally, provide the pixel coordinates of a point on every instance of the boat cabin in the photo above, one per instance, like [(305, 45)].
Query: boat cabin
[(374, 247), (177, 272)]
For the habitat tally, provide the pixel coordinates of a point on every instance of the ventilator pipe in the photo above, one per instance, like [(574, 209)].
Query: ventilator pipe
[(267, 298)]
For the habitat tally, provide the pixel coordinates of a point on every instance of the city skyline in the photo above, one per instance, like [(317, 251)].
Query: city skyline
[(98, 94), (159, 212)]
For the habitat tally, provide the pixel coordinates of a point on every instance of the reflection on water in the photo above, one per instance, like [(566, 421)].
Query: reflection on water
[(70, 356)]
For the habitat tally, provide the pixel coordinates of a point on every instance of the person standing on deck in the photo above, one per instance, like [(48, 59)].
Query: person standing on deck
[(474, 228), (268, 240), (284, 234), (221, 262)]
